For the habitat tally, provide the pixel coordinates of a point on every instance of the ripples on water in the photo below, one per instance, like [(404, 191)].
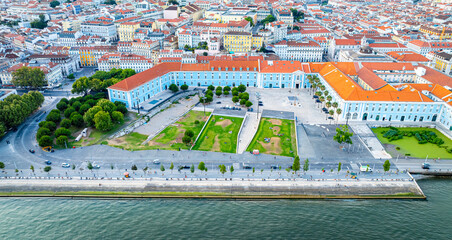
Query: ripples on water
[(53, 218)]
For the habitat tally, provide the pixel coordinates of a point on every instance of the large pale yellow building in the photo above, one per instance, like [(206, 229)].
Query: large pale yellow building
[(126, 31), (241, 41)]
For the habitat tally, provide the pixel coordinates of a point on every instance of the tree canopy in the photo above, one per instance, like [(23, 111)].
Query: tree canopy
[(41, 23), (53, 4), (29, 77), (343, 135), (101, 80)]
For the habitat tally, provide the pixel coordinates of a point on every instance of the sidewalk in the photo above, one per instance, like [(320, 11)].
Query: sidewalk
[(249, 129)]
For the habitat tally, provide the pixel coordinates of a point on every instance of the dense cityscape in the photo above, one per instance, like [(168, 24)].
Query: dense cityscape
[(236, 99)]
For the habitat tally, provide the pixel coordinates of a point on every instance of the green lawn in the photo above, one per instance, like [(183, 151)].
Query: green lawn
[(170, 138), (280, 134), (410, 145), (220, 135)]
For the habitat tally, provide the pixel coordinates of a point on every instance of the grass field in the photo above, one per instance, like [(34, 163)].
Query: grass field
[(220, 135), (409, 145), (280, 135), (170, 138)]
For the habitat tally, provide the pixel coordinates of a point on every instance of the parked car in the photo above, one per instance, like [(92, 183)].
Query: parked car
[(156, 161), (218, 102), (274, 167), (65, 165), (96, 166), (31, 150), (183, 167), (261, 104), (47, 162), (315, 96), (317, 101), (331, 118)]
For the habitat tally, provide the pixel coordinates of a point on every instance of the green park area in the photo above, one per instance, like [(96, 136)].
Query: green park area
[(275, 136), (180, 134), (415, 142), (220, 135)]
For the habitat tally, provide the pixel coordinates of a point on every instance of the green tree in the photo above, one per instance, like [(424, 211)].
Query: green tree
[(296, 164), (268, 19), (61, 106), (192, 168), (90, 166), (211, 88), (134, 167), (68, 112), (62, 132), (186, 140), (173, 2), (218, 93), (62, 140), (235, 99), (162, 168), (88, 117), (184, 87), (102, 121), (71, 76), (248, 104), (222, 169), (243, 102), (85, 107), (219, 88), (32, 168), (47, 169), (50, 125), (110, 2), (29, 77), (231, 169), (254, 170), (2, 165), (117, 116), (235, 92), (343, 135), (45, 141), (386, 165), (249, 19), (339, 167), (241, 88), (173, 87), (81, 85), (77, 120), (66, 123), (54, 117), (201, 166), (306, 165), (53, 4), (106, 105), (43, 132), (41, 23), (225, 93), (227, 88), (171, 167), (189, 133)]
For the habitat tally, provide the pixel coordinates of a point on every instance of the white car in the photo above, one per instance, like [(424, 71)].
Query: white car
[(156, 161), (65, 165), (365, 169)]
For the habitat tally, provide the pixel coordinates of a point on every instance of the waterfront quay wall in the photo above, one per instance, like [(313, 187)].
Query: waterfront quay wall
[(235, 187)]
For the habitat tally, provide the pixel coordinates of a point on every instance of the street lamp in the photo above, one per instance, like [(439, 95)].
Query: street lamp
[(347, 116)]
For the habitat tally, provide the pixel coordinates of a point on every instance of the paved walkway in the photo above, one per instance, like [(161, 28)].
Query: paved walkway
[(248, 131), (370, 140), (160, 121)]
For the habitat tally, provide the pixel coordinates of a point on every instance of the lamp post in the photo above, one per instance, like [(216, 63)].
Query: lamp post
[(347, 116)]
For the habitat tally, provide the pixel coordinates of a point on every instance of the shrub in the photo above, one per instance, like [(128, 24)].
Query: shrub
[(45, 141), (397, 148), (189, 133), (211, 87), (76, 105), (186, 139), (61, 140), (43, 132), (227, 88), (184, 87), (47, 169), (62, 132), (66, 123), (248, 104), (226, 93), (196, 121), (121, 108), (68, 112), (173, 87), (219, 89), (77, 119), (134, 167)]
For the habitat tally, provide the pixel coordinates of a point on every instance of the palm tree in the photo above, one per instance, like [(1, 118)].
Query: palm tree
[(322, 87), (331, 112), (318, 93), (328, 104), (338, 111), (328, 97), (334, 104), (326, 92)]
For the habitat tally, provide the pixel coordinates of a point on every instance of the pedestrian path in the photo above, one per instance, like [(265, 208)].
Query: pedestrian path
[(248, 131), (370, 140)]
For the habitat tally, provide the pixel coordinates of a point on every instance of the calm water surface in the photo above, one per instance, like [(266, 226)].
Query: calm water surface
[(52, 218)]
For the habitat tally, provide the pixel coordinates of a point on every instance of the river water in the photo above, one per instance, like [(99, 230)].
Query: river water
[(54, 218)]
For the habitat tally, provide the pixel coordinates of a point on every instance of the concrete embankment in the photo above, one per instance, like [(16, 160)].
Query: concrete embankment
[(235, 189)]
